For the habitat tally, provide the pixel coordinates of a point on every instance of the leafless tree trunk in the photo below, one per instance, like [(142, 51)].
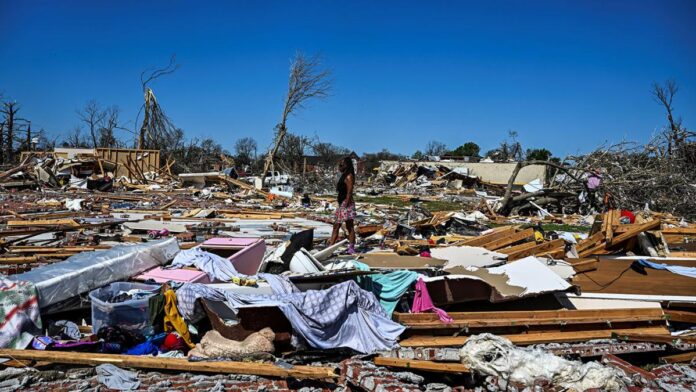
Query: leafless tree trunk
[(9, 110), (306, 81), (107, 136), (156, 127), (93, 116), (664, 96)]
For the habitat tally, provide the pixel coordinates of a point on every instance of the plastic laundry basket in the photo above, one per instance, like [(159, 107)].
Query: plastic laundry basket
[(133, 315)]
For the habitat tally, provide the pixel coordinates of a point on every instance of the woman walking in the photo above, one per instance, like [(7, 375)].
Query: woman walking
[(345, 213)]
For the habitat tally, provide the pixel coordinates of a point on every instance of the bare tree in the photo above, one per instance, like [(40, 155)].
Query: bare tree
[(9, 111), (107, 130), (75, 138), (435, 148), (157, 130), (306, 81), (245, 150), (664, 95), (92, 116)]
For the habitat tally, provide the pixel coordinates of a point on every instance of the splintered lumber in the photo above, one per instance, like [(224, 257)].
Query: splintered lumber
[(143, 362), (599, 249), (243, 185), (534, 338), (414, 364), (681, 316), (529, 318), (678, 358), (44, 222), (487, 238), (509, 239), (518, 248), (538, 249), (634, 231), (590, 242)]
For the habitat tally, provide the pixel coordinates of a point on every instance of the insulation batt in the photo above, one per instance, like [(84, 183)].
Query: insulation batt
[(215, 345), (493, 355)]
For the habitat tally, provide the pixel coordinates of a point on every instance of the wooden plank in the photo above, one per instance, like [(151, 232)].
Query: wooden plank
[(609, 228), (533, 338), (430, 366), (541, 248), (617, 276), (32, 249), (590, 242), (679, 358), (517, 248), (486, 238), (583, 265), (509, 239), (598, 249), (688, 231), (681, 316), (143, 362), (44, 222), (18, 260), (657, 338), (563, 314), (654, 224)]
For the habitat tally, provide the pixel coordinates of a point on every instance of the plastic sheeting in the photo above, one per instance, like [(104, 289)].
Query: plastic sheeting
[(86, 271), (496, 356)]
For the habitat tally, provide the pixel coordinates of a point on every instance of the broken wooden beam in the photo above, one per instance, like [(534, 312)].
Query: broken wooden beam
[(681, 316), (534, 338), (414, 364), (509, 239), (538, 249), (679, 358), (486, 238), (144, 362)]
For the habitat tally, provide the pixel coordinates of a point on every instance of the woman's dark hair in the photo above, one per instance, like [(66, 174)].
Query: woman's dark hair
[(348, 166)]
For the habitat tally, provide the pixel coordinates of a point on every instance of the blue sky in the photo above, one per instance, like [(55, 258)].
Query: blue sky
[(565, 75)]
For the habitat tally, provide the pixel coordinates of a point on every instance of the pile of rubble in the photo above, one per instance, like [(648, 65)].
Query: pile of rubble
[(205, 282)]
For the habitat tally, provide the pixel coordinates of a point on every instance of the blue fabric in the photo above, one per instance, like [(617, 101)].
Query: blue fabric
[(389, 287), (675, 269), (343, 315), (145, 348), (158, 339)]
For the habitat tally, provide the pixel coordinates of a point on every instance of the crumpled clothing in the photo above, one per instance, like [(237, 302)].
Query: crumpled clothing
[(173, 320), (117, 338), (186, 299), (343, 315), (19, 313), (217, 268), (215, 345), (675, 269), (423, 303), (116, 378), (64, 329), (389, 287)]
